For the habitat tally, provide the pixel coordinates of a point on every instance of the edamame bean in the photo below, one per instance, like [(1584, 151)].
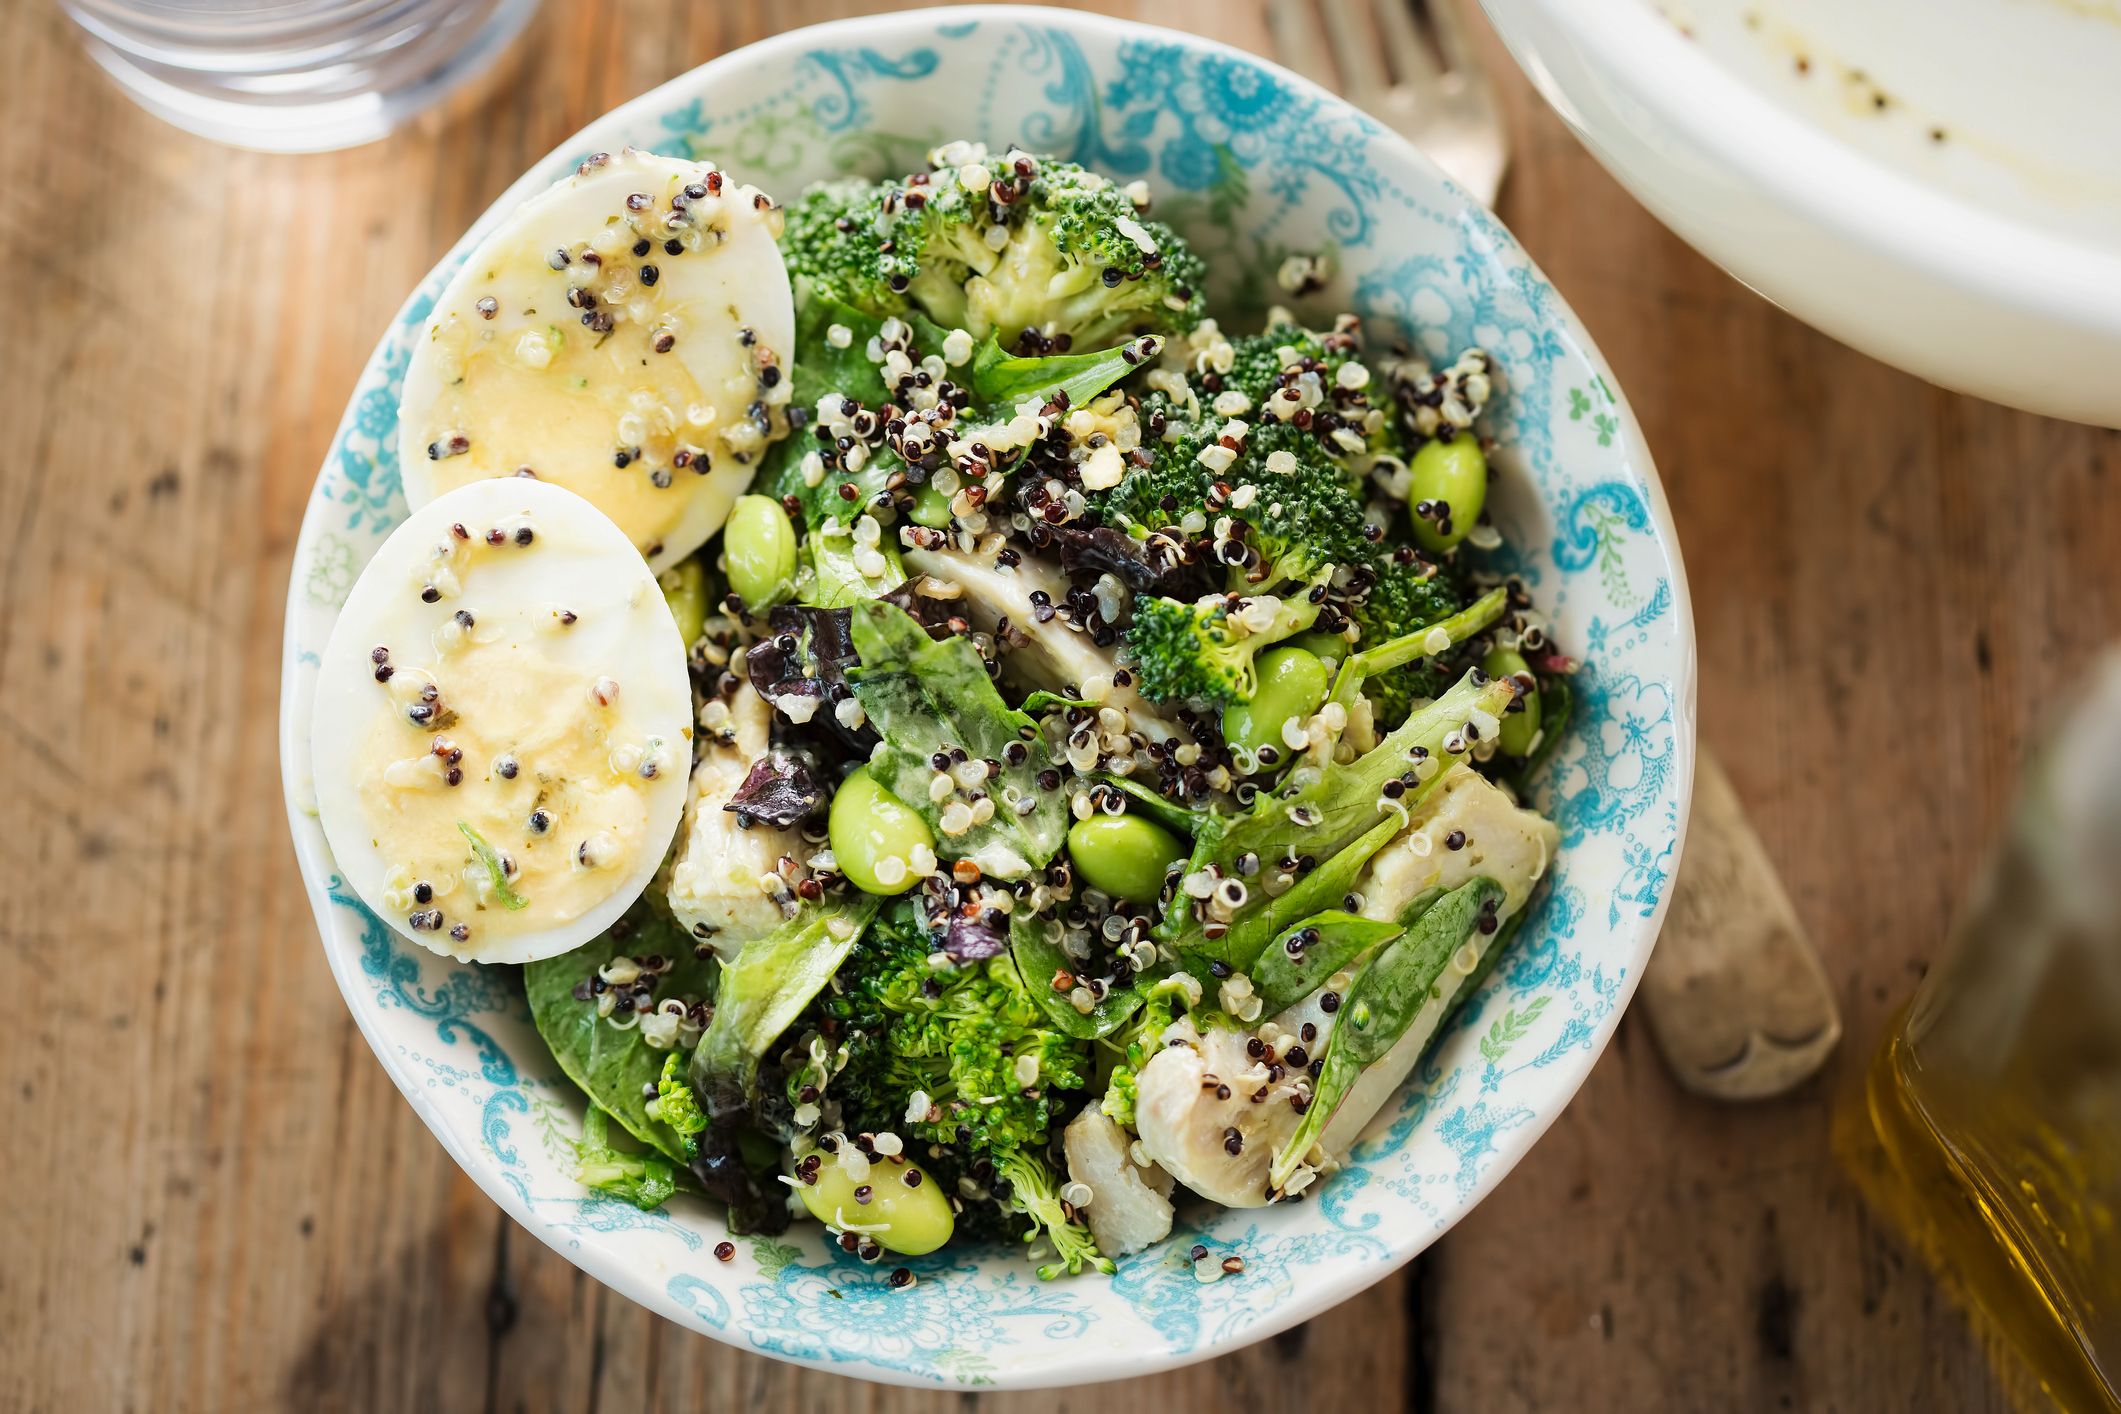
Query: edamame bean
[(1292, 684), (758, 551), (874, 835), (896, 1203), (1332, 649), (685, 591), (1520, 728), (1124, 855), (1451, 479), (930, 508)]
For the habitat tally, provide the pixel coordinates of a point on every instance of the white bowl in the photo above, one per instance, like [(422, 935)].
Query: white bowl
[(1249, 161), (1987, 259)]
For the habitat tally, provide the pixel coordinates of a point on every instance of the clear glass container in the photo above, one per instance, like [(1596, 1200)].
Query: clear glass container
[(295, 75), (1989, 1128)]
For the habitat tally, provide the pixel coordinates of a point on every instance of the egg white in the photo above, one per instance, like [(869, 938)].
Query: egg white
[(571, 666), (551, 350)]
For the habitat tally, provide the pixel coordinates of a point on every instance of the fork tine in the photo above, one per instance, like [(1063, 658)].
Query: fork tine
[(1453, 36), (1412, 59), (1354, 40), (1296, 42)]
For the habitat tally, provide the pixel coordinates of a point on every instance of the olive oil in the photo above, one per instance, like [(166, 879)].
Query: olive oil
[(1988, 1128), (2008, 1210)]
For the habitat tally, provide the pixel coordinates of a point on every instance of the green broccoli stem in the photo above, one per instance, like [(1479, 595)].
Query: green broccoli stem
[(1033, 1193), (1429, 641)]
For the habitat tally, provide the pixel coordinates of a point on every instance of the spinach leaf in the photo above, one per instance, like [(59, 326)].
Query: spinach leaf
[(764, 990), (1391, 994), (924, 696), (822, 368), (614, 1067), (1004, 379), (1282, 978), (1038, 957)]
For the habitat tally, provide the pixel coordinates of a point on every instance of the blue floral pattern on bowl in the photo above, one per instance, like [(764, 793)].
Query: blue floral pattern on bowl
[(1250, 163)]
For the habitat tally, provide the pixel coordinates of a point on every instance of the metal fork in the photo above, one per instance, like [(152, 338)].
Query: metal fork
[(1412, 65), (1736, 994)]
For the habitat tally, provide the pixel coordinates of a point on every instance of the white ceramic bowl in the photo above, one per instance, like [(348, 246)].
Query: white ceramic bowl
[(1967, 229), (1248, 161)]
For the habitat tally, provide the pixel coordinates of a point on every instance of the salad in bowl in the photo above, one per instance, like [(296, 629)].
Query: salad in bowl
[(971, 736)]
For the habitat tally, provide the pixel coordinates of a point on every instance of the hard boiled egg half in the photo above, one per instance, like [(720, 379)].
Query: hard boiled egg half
[(503, 724), (626, 334)]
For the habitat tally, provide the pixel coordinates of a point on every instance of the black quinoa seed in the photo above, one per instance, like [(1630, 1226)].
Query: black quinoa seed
[(724, 1250)]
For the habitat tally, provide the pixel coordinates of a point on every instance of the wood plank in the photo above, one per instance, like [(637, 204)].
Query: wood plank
[(220, 1202)]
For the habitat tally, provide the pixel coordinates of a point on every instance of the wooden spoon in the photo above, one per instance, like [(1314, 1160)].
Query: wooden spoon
[(1736, 995)]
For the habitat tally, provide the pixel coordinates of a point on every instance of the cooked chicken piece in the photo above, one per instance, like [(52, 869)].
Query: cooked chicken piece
[(1130, 1206), (1051, 655), (1503, 841), (719, 887), (1209, 1116)]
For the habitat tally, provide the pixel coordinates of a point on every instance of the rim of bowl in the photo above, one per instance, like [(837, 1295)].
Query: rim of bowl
[(1868, 201), (1332, 1283)]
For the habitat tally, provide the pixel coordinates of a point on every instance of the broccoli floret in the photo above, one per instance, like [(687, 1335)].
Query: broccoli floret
[(1034, 1192), (1294, 498), (1045, 247), (1258, 360), (1302, 511), (1206, 651), (831, 246), (675, 1104), (1141, 1039), (972, 1040)]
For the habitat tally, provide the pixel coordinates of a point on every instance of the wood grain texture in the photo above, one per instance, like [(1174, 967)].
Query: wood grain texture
[(216, 1200)]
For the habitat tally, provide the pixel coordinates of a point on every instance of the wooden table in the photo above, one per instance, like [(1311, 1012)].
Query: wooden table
[(216, 1201)]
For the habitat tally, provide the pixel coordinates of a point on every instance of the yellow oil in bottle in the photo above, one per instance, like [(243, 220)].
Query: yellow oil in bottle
[(1988, 1126), (2007, 1211)]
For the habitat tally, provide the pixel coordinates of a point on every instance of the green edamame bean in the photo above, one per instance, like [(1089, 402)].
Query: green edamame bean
[(1124, 855), (685, 591), (758, 551), (1292, 684), (1332, 649), (874, 835), (1520, 728), (930, 508), (897, 1203), (1451, 478)]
